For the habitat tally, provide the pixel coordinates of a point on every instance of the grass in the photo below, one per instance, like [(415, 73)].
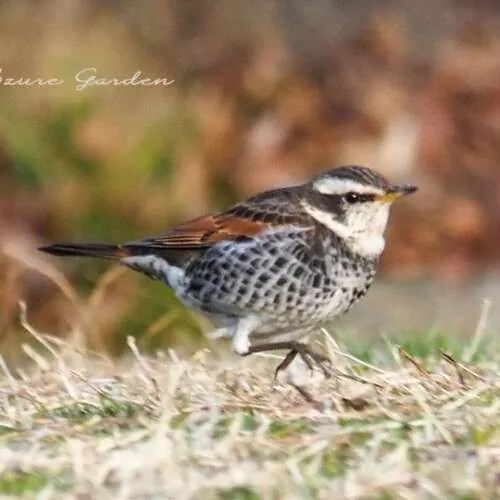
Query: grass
[(75, 424)]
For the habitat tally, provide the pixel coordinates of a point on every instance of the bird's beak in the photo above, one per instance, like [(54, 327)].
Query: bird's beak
[(396, 192)]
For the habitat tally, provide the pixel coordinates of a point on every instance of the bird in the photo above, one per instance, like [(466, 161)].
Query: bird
[(270, 270)]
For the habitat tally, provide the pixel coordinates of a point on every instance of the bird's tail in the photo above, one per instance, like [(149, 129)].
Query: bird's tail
[(102, 251), (140, 257)]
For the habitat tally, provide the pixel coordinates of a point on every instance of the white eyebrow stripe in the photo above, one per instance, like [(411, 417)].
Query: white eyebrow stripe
[(341, 186)]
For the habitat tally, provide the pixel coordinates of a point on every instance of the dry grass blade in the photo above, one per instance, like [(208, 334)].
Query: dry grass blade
[(406, 355), (460, 367), (109, 278), (63, 370), (445, 433), (457, 367), (479, 332), (41, 266), (8, 374), (145, 369), (357, 378), (159, 325)]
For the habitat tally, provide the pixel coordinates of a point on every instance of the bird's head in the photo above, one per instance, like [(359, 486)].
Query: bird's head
[(354, 203)]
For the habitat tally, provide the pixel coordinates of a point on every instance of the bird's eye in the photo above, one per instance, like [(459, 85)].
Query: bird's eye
[(351, 197)]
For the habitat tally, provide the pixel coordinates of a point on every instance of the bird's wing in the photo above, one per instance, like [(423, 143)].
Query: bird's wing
[(205, 231), (272, 210)]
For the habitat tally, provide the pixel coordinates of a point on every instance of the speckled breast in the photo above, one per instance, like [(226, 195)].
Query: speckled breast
[(285, 278)]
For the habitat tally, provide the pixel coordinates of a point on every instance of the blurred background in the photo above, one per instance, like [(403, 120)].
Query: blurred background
[(265, 93)]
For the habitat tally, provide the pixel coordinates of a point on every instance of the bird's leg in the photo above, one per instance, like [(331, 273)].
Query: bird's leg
[(287, 361), (241, 341), (308, 355)]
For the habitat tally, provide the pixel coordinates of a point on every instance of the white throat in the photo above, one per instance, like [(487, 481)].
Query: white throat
[(367, 244)]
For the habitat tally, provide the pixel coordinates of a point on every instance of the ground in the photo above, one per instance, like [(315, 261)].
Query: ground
[(416, 420)]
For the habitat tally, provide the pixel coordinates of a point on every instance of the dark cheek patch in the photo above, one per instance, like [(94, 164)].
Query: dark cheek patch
[(333, 204)]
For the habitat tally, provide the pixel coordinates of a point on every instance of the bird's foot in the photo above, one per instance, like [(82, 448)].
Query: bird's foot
[(308, 355)]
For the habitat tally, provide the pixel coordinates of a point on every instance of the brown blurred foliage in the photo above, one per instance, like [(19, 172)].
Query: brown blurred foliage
[(266, 93)]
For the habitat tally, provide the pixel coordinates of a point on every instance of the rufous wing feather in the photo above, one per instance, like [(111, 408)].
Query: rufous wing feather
[(205, 231)]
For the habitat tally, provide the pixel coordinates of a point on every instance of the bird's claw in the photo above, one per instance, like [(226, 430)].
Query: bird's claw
[(310, 358)]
